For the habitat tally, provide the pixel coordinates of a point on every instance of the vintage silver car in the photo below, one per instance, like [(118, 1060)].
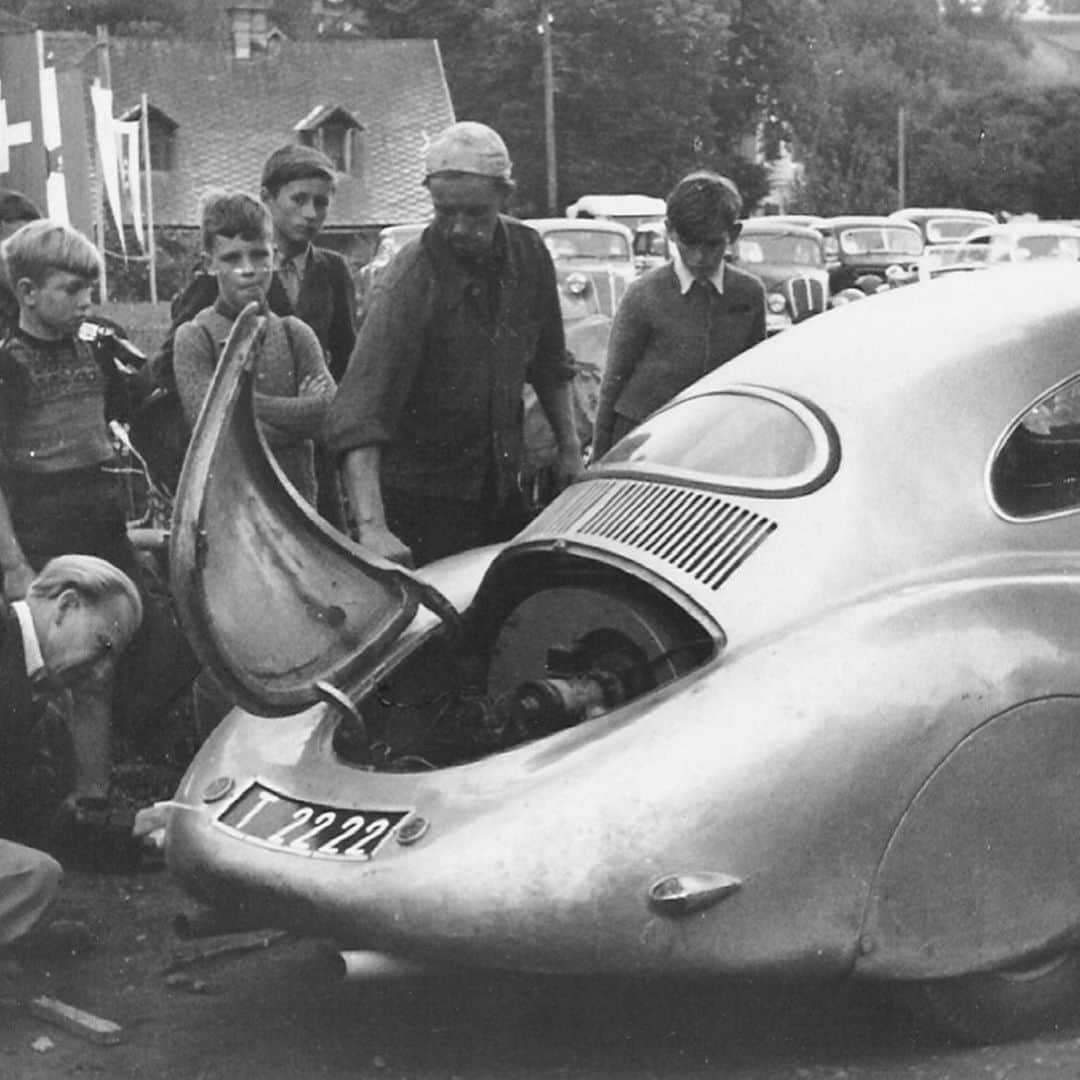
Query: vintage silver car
[(788, 684)]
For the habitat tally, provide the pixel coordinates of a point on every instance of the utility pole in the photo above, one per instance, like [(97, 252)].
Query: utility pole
[(543, 28), (901, 158)]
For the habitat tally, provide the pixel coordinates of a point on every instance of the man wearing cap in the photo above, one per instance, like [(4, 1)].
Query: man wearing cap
[(428, 418)]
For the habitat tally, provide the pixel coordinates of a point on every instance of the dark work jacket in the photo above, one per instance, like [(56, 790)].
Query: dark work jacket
[(441, 359), (327, 303), (18, 711)]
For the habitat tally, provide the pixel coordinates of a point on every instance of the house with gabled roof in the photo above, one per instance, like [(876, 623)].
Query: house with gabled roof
[(217, 110)]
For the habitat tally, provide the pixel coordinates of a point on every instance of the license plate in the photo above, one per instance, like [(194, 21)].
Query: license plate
[(302, 828)]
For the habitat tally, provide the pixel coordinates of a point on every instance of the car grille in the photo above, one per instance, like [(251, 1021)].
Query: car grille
[(679, 532), (805, 297)]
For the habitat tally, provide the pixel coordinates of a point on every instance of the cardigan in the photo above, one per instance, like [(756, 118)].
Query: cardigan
[(287, 354), (662, 341), (327, 303)]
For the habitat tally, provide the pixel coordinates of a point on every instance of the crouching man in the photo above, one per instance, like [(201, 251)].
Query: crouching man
[(79, 614)]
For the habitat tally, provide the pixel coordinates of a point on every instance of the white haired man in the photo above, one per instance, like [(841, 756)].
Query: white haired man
[(79, 614)]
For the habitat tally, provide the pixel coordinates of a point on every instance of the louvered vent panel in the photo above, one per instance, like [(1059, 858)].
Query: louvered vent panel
[(697, 533)]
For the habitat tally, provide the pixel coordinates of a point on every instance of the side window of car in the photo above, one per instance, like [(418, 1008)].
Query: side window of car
[(1037, 470)]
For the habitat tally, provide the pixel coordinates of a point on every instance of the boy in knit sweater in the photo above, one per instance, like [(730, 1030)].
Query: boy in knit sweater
[(59, 490), (682, 320), (293, 387)]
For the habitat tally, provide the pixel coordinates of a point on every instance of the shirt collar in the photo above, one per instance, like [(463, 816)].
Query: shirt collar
[(35, 662), (686, 279)]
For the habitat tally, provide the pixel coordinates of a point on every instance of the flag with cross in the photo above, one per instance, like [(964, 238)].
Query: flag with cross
[(41, 115)]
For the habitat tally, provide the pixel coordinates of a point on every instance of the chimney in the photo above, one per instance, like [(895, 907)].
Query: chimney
[(249, 27)]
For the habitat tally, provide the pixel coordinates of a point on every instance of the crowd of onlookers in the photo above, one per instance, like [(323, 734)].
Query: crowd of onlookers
[(405, 431)]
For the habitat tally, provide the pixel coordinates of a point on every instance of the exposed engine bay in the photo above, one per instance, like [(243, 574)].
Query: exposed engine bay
[(550, 642)]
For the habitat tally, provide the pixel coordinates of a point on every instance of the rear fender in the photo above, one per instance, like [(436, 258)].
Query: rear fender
[(983, 867)]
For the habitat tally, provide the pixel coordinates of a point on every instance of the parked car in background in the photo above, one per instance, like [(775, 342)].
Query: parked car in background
[(628, 210), (1026, 240), (593, 259), (788, 258), (859, 248), (391, 240), (593, 265), (790, 261), (944, 225), (943, 260), (786, 685), (650, 246)]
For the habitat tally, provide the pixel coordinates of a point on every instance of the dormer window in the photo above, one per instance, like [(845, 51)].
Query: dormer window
[(162, 136), (337, 133)]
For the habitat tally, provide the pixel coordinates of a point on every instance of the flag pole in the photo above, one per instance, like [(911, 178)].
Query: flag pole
[(105, 76), (144, 117)]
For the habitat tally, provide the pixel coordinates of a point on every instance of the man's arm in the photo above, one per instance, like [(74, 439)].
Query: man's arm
[(360, 474), (629, 335), (17, 571), (556, 399)]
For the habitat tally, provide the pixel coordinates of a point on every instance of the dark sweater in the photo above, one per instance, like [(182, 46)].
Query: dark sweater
[(662, 341)]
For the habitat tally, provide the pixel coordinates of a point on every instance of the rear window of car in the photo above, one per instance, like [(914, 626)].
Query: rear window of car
[(880, 241), (778, 248), (587, 244), (1050, 247), (1036, 471), (750, 439), (945, 230)]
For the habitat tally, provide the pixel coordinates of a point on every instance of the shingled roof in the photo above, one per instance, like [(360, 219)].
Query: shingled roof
[(230, 114)]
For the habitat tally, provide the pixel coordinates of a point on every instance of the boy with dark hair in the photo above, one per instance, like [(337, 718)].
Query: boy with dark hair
[(59, 492), (682, 320), (293, 387), (310, 282)]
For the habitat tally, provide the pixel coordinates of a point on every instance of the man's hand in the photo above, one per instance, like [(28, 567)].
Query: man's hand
[(17, 580), (569, 465), (379, 540)]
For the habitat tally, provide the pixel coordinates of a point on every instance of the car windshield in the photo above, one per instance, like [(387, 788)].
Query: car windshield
[(742, 438), (779, 248), (587, 244), (879, 240), (946, 230)]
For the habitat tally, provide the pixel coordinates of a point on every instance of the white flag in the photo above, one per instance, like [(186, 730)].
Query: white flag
[(107, 163), (127, 138)]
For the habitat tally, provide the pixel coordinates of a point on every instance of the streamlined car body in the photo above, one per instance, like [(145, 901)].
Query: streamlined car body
[(787, 684)]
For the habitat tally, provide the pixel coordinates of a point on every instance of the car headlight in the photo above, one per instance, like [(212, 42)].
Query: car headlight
[(577, 284), (777, 303)]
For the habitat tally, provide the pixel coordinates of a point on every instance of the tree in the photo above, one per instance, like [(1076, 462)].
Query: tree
[(133, 17)]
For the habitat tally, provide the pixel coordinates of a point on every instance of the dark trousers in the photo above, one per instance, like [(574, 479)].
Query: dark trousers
[(434, 527)]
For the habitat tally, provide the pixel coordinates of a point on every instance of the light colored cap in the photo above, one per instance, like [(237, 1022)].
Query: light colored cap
[(468, 147)]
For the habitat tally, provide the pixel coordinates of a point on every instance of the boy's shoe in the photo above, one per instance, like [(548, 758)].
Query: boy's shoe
[(89, 833)]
